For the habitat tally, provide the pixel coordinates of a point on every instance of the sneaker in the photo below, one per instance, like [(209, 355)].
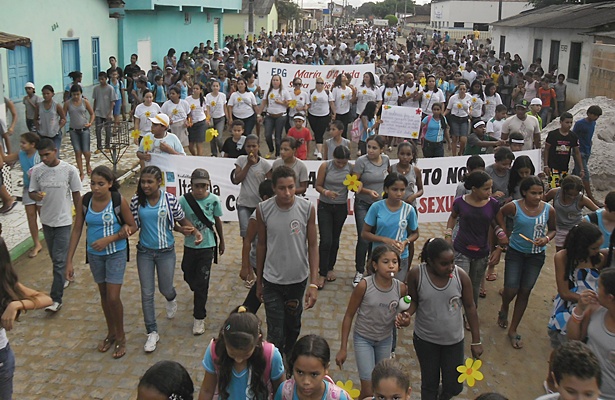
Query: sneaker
[(150, 344), (171, 308), (315, 152), (393, 355), (55, 307), (66, 283), (357, 278), (319, 156), (198, 328)]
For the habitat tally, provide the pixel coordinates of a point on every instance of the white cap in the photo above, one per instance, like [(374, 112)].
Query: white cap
[(479, 123), (536, 102), (161, 119), (29, 85)]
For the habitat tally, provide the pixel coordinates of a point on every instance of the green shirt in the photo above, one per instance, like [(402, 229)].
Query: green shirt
[(212, 208), (537, 117), (473, 148)]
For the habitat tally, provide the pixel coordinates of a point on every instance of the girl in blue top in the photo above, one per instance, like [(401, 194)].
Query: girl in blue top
[(369, 126), (157, 213), (239, 363), (533, 228), (106, 251), (28, 157), (434, 133)]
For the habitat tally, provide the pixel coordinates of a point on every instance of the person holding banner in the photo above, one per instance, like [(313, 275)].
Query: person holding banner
[(242, 105), (371, 169), (343, 95), (275, 104), (459, 109), (319, 113)]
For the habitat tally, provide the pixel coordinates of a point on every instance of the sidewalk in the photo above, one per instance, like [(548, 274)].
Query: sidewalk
[(15, 225)]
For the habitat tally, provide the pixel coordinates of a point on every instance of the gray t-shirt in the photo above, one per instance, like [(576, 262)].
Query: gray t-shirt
[(102, 97), (567, 215), (602, 343), (500, 182), (31, 103), (334, 181), (248, 192), (286, 261), (372, 176), (58, 183), (78, 115), (331, 146), (378, 309), (299, 168)]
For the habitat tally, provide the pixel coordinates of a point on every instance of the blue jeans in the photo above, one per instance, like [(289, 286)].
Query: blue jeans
[(243, 214), (100, 123), (475, 268), (276, 124), (57, 239), (363, 247), (521, 270), (369, 352), (150, 261), (80, 139), (7, 370), (436, 359)]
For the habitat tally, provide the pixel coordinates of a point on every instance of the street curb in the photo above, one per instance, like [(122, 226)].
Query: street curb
[(21, 248)]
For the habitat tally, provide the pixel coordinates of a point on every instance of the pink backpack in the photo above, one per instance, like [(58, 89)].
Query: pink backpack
[(334, 392), (267, 352), (355, 130)]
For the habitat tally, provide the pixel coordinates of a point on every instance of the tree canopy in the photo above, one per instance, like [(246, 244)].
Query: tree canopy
[(288, 10), (384, 8)]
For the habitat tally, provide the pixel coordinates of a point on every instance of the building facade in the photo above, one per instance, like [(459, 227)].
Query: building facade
[(265, 19), (448, 14)]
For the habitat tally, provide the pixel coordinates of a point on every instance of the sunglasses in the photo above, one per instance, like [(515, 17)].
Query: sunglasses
[(320, 83)]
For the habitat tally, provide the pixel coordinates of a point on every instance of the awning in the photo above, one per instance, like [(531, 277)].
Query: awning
[(9, 41)]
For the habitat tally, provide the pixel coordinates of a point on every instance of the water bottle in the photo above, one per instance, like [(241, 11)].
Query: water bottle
[(404, 304)]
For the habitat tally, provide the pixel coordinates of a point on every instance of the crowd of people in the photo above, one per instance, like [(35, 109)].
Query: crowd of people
[(474, 103)]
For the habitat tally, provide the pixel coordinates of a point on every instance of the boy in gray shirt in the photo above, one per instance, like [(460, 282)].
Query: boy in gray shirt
[(104, 101)]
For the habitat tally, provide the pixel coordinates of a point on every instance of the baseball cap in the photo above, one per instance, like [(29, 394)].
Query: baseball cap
[(522, 104), (30, 85), (200, 175), (536, 102), (479, 123), (154, 63), (161, 119), (225, 50)]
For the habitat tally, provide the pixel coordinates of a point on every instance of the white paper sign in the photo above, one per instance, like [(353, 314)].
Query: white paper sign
[(404, 122)]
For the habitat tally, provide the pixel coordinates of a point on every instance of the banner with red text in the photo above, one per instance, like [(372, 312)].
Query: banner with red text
[(309, 73), (440, 179)]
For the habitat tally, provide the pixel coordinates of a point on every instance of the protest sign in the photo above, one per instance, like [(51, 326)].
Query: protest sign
[(404, 122)]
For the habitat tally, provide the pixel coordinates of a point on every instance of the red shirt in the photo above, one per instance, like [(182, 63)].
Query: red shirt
[(546, 95), (304, 134)]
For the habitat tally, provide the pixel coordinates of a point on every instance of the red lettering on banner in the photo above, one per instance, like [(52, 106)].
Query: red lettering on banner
[(303, 74), (439, 204)]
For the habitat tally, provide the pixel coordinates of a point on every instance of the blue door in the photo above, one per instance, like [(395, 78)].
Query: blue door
[(70, 59), (20, 71), (95, 58)]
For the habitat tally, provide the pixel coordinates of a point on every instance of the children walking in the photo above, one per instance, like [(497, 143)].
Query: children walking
[(203, 210), (439, 291), (288, 150), (76, 108), (336, 129), (239, 363), (560, 145), (301, 134), (374, 301)]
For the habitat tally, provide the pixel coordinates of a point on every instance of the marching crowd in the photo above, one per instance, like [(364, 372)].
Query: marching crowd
[(474, 103)]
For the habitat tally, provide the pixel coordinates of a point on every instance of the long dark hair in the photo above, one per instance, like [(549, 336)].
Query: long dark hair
[(241, 331), (370, 110), (515, 179), (577, 243), (480, 92), (311, 346), (170, 378), (9, 288), (372, 81), (105, 172), (152, 170)]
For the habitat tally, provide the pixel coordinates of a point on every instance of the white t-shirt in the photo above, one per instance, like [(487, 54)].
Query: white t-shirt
[(242, 104), (491, 102), (494, 128), (528, 127), (389, 95), (460, 107), (273, 96), (319, 103), (176, 112), (429, 98), (477, 107), (144, 113), (469, 75), (407, 91), (366, 94), (301, 99), (197, 111), (215, 104), (341, 98)]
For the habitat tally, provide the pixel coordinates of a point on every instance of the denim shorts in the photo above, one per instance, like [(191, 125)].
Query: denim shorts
[(80, 139), (7, 371), (369, 352), (117, 107), (521, 270), (108, 268), (244, 214)]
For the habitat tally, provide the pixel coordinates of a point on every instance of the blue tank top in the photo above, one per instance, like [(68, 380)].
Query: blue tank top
[(161, 94), (184, 91), (102, 224), (531, 227), (256, 95), (27, 162)]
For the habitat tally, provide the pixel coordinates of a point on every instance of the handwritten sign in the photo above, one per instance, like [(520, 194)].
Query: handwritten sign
[(404, 122)]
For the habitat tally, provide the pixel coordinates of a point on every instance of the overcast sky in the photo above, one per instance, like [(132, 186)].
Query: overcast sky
[(356, 3)]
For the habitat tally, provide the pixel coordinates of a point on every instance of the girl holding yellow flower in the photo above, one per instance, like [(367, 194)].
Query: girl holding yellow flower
[(457, 114), (177, 109), (144, 111), (431, 95), (298, 102), (478, 100), (242, 105), (215, 103)]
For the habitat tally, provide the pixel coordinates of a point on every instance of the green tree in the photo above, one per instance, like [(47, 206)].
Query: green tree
[(366, 10), (392, 19), (288, 10)]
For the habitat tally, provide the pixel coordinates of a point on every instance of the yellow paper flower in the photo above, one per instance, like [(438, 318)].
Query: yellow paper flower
[(210, 134), (348, 386), (428, 96), (175, 111), (387, 107), (314, 98), (239, 99), (135, 134), (488, 102), (461, 68), (148, 114), (389, 94), (192, 106), (415, 135), (459, 106), (292, 103), (272, 96), (213, 103), (473, 99), (408, 93), (470, 372), (352, 182), (148, 143), (364, 91), (440, 82), (423, 81), (343, 97)]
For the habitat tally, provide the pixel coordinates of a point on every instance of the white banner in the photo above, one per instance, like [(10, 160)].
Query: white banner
[(309, 73), (440, 178), (400, 121)]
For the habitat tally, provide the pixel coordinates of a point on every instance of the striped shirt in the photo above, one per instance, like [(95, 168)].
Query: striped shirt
[(156, 222)]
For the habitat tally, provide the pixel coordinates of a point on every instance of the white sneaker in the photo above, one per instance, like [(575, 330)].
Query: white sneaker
[(315, 152), (66, 283), (150, 344), (319, 156), (357, 278), (198, 328), (171, 308), (55, 307)]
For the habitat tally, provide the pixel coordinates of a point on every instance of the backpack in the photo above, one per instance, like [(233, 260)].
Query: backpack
[(334, 392), (116, 199), (268, 349), (355, 130)]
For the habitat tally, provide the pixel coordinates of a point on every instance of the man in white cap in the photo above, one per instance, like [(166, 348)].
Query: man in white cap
[(31, 101), (535, 107), (160, 140), (479, 142)]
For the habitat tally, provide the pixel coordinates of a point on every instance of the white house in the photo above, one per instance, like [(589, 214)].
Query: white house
[(563, 36), (472, 14)]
